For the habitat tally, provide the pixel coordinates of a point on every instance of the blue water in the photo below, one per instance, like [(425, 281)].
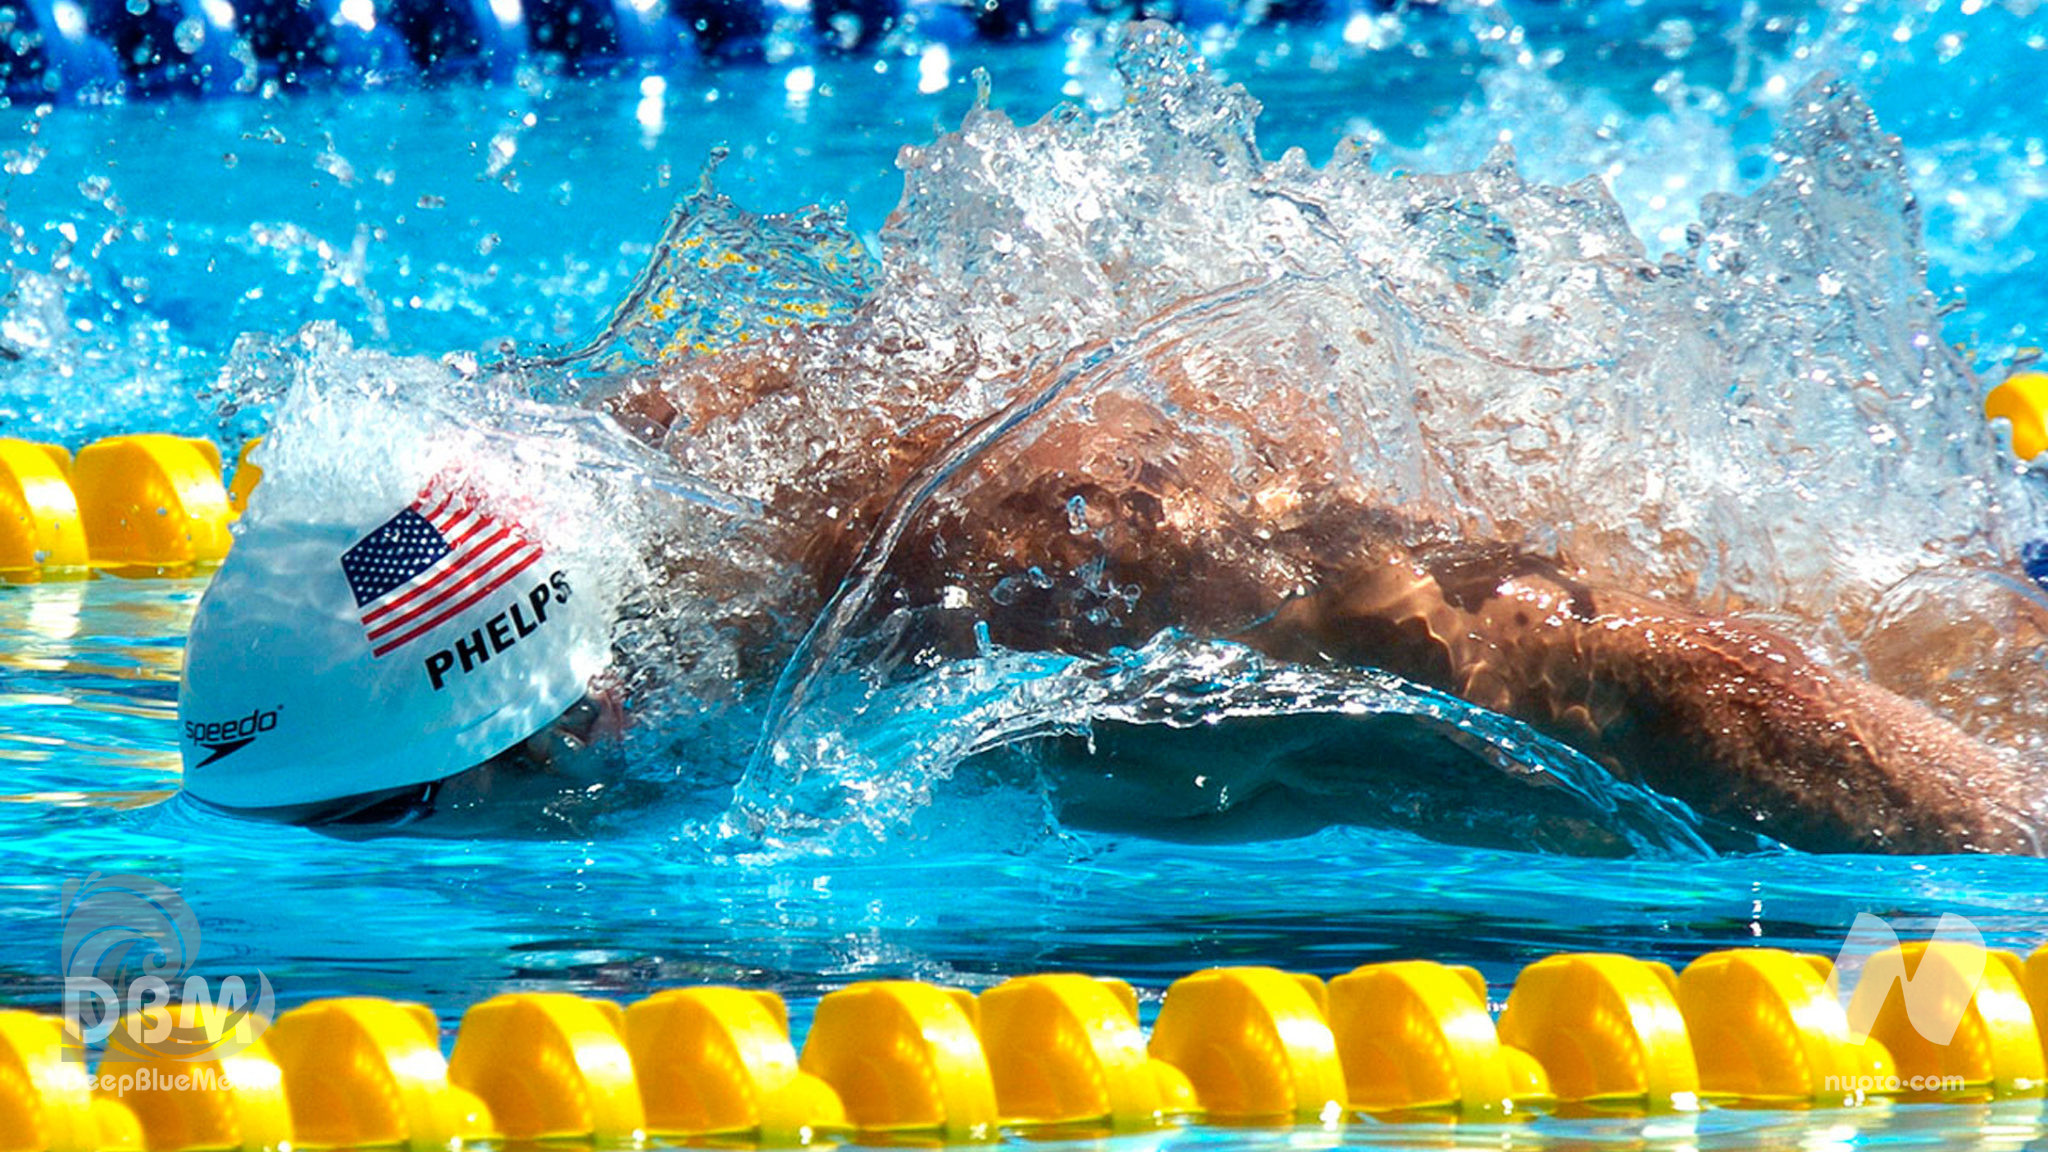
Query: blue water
[(148, 238)]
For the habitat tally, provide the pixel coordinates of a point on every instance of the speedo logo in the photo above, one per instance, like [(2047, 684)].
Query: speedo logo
[(227, 737), (520, 619)]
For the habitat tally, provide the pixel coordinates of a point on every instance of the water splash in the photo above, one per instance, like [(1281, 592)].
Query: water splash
[(908, 738), (1767, 420), (721, 277)]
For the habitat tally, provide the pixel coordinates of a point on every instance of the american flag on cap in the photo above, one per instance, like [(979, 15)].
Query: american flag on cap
[(430, 563)]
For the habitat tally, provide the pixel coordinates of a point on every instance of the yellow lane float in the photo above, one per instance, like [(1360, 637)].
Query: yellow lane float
[(47, 1103), (139, 505), (1047, 1056), (41, 535), (1768, 1031), (1255, 1045), (1967, 1032), (718, 1063), (906, 1061), (2023, 400), (152, 504), (550, 1066), (1065, 1051), (1415, 1038), (1608, 1031), (360, 1072)]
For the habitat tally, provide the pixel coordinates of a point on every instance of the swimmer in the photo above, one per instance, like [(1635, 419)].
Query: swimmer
[(494, 657)]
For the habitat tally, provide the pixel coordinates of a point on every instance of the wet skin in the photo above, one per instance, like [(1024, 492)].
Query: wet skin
[(1287, 556)]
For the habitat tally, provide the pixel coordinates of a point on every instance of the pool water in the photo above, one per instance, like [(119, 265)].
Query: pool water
[(89, 687), (149, 240)]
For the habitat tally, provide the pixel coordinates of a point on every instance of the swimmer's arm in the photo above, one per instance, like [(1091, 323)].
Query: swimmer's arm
[(1721, 713)]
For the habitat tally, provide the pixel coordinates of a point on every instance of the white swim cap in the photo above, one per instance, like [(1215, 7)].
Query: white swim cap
[(335, 660)]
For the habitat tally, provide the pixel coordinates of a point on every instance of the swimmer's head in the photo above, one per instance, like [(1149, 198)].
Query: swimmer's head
[(334, 668)]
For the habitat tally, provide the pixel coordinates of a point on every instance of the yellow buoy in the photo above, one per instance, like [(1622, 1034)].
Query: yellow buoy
[(199, 1090), (1955, 1018), (1608, 1031), (41, 534), (905, 1059), (1255, 1044), (46, 1097), (1065, 1051), (550, 1066), (363, 1072), (1414, 1037), (717, 1062), (152, 503), (1766, 1028), (2022, 399)]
